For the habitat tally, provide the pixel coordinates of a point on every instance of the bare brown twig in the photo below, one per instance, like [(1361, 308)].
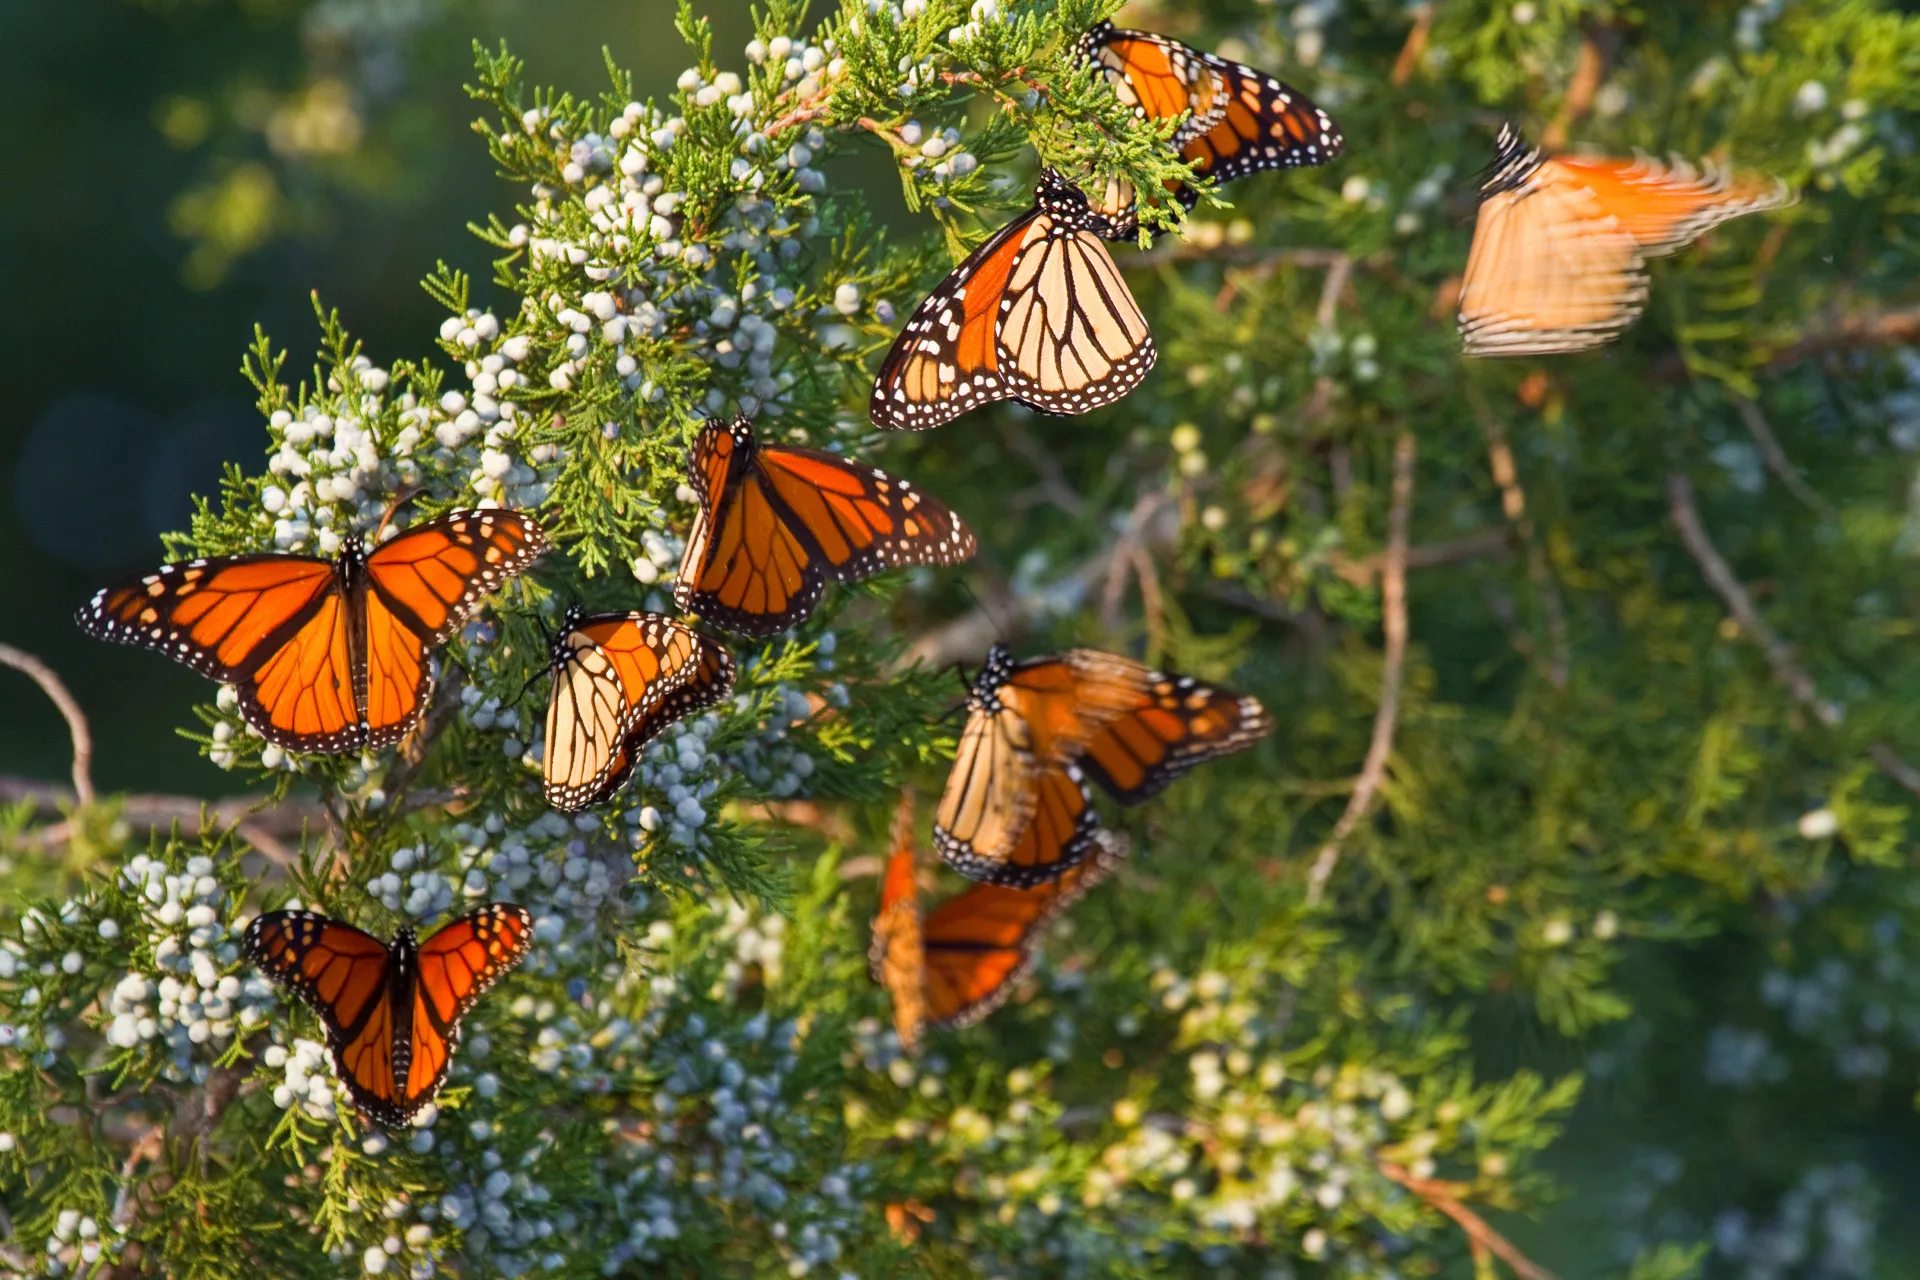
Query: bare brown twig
[(1779, 654), (1416, 46), (1776, 458), (1393, 603), (56, 690), (260, 822), (1720, 576), (1513, 502), (1481, 1238)]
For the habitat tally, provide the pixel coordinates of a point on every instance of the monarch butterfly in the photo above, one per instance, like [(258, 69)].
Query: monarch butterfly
[(391, 1012), (1241, 120), (618, 680), (1559, 252), (963, 960), (777, 522), (1016, 810), (326, 655), (1037, 314)]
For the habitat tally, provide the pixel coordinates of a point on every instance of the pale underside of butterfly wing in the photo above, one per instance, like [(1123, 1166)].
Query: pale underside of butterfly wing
[(989, 797), (600, 696), (1550, 271), (1071, 336)]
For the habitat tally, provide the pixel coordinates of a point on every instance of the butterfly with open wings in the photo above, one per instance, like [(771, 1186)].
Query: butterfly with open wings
[(391, 1011), (326, 655), (777, 523)]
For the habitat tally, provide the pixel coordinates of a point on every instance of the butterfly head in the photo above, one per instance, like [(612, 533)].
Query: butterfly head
[(559, 648), (1515, 161), (1067, 204), (994, 672)]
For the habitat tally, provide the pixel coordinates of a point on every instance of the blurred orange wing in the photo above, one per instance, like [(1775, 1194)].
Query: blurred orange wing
[(1667, 207), (424, 585), (456, 965), (979, 943), (895, 957)]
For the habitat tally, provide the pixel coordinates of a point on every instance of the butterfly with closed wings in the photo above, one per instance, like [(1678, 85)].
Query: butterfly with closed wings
[(391, 1011), (1037, 314), (1016, 809), (1239, 120), (777, 523), (619, 679), (1560, 247), (326, 655)]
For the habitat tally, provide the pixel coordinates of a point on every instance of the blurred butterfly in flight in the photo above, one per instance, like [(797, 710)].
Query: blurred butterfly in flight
[(1560, 247)]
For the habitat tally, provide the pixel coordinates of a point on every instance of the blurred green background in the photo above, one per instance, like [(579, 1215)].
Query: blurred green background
[(184, 170)]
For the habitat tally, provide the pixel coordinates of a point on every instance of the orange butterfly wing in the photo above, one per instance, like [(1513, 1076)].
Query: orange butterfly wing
[(346, 977), (1261, 124), (946, 360), (454, 967), (1158, 77), (779, 522), (618, 680), (1176, 722), (424, 585), (1038, 314), (895, 957), (978, 944), (274, 626), (1665, 208)]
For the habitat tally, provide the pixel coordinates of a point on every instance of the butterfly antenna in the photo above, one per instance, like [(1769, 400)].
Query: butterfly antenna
[(398, 500), (999, 627)]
